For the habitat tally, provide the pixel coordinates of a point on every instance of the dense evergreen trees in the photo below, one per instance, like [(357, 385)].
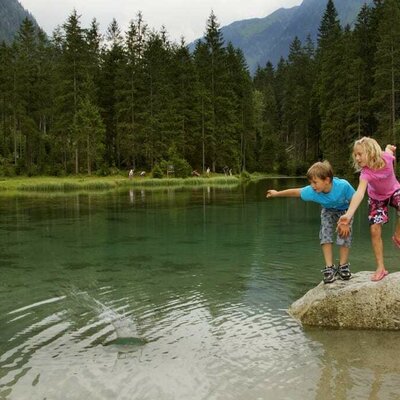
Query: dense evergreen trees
[(346, 88), (81, 103)]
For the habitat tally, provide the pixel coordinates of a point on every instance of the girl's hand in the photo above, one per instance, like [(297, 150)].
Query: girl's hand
[(343, 230), (271, 193), (390, 148), (343, 226)]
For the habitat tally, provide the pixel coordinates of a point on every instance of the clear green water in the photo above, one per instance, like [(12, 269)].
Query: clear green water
[(177, 294)]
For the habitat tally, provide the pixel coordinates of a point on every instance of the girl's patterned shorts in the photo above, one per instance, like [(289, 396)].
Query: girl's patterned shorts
[(378, 209)]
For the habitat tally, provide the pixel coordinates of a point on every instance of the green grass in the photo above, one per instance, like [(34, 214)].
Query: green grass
[(89, 183), (74, 184)]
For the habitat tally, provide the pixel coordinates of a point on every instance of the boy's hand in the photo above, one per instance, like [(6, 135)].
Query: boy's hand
[(343, 226), (271, 193)]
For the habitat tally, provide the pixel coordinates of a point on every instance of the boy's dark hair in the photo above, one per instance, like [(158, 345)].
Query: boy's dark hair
[(321, 170)]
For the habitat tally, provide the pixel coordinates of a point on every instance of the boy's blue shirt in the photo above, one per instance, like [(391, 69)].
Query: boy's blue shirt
[(338, 198)]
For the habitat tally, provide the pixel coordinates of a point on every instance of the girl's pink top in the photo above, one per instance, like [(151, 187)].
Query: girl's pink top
[(382, 183)]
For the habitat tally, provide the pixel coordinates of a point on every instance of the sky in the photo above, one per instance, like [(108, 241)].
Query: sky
[(185, 18)]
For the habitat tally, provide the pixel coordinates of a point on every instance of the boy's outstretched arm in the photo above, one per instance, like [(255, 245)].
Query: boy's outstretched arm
[(283, 193), (390, 149)]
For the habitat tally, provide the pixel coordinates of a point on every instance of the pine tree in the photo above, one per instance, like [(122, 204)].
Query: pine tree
[(204, 106), (159, 126), (387, 71), (130, 90), (283, 149), (296, 111), (70, 75), (241, 86), (279, 89), (43, 100), (268, 143), (93, 40), (6, 110), (364, 42), (353, 69), (113, 60), (222, 147), (331, 86), (24, 95), (89, 129), (186, 98)]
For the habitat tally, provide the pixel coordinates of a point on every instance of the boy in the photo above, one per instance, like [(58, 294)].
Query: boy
[(334, 195)]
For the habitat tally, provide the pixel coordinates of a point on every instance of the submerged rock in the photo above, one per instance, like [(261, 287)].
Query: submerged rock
[(356, 304)]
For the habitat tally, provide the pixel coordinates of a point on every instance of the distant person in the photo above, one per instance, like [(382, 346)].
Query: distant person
[(334, 195), (131, 172), (378, 178), (208, 171)]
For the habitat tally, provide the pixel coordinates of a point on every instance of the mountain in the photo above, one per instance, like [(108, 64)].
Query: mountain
[(268, 39), (11, 16)]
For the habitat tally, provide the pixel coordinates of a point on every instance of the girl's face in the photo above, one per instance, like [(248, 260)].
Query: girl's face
[(360, 156)]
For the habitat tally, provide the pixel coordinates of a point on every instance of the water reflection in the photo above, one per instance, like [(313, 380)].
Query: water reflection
[(357, 364), (200, 280)]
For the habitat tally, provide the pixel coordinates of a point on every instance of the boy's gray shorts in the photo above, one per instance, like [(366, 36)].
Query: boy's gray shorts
[(329, 219)]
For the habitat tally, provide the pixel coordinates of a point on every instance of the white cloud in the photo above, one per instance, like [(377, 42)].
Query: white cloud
[(180, 17)]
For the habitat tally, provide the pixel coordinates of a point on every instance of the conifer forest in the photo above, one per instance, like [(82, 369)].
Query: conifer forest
[(79, 102)]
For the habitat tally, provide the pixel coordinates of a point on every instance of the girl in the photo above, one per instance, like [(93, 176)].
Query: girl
[(378, 178)]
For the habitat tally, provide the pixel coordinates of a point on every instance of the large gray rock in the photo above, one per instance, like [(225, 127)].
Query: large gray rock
[(358, 303)]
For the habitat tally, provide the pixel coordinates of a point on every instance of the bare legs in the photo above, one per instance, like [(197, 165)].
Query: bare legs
[(328, 254), (377, 245), (397, 231), (344, 255)]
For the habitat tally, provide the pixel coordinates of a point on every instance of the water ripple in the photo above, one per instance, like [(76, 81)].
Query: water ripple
[(97, 341)]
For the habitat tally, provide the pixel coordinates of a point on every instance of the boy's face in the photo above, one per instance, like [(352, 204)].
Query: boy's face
[(321, 185)]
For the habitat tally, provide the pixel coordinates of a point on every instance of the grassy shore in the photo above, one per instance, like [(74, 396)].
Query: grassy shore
[(94, 183)]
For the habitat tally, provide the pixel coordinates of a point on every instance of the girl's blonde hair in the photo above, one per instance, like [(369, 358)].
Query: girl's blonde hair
[(373, 153)]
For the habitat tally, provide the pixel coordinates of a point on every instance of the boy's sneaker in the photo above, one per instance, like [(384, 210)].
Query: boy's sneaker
[(329, 274), (344, 272)]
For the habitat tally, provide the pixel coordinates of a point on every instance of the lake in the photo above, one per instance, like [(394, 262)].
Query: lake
[(178, 294)]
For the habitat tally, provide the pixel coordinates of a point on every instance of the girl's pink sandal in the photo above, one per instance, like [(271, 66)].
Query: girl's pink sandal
[(379, 275)]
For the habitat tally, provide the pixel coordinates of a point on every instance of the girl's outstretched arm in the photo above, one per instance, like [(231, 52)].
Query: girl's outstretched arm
[(344, 220), (355, 202), (283, 193)]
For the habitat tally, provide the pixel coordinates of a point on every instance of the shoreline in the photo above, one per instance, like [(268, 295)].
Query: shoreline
[(97, 184), (94, 183)]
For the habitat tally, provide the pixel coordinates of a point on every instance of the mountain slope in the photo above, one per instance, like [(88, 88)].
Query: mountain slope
[(268, 39), (11, 16)]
